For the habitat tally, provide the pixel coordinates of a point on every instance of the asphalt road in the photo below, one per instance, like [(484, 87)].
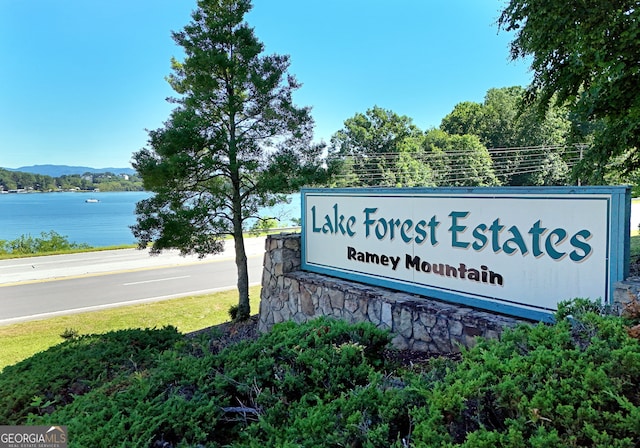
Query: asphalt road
[(41, 287)]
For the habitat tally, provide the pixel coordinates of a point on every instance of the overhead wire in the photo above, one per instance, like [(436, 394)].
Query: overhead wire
[(512, 161)]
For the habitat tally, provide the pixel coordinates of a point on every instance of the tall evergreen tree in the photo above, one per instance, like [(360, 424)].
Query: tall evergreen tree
[(234, 143)]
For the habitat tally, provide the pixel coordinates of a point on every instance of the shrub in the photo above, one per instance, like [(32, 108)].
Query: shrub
[(47, 242), (233, 312), (54, 378), (570, 384), (323, 356), (263, 225), (161, 406), (242, 394), (297, 376), (327, 383)]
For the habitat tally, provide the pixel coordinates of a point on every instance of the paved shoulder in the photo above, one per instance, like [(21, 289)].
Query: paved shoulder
[(69, 265)]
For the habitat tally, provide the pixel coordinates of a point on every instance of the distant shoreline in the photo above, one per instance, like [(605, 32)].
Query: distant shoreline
[(27, 191)]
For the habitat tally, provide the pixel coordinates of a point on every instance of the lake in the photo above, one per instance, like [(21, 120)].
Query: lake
[(102, 223)]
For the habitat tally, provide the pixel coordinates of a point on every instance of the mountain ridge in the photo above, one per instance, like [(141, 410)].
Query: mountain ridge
[(62, 170)]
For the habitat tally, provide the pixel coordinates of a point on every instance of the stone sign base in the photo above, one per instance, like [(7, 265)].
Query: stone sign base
[(625, 293), (415, 322)]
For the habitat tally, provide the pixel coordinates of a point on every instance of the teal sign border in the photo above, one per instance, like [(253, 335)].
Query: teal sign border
[(619, 205)]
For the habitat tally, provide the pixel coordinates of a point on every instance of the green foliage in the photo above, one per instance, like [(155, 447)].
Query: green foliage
[(464, 161), (366, 151), (580, 308), (245, 395), (263, 225), (48, 242), (584, 55), (61, 374), (158, 406), (570, 384), (233, 312), (634, 248), (291, 372), (69, 333), (234, 144), (381, 148), (327, 383), (16, 180), (514, 130), (411, 167), (373, 415)]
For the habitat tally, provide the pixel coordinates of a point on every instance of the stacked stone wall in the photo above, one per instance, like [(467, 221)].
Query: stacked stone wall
[(415, 322), (625, 292)]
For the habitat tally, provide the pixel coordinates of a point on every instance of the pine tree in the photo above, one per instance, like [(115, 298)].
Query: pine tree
[(234, 143)]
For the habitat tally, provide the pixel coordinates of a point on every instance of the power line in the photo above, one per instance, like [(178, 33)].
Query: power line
[(509, 162)]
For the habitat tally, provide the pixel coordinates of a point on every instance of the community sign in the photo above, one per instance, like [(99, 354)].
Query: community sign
[(518, 251)]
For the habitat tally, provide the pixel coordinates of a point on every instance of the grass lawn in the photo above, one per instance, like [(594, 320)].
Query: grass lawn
[(634, 246), (19, 341)]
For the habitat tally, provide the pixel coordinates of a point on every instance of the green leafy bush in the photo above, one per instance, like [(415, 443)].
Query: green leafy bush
[(47, 242), (52, 379), (574, 383), (157, 407), (262, 225), (243, 394), (328, 383), (296, 376)]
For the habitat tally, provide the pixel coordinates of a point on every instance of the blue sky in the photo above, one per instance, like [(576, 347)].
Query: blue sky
[(81, 80)]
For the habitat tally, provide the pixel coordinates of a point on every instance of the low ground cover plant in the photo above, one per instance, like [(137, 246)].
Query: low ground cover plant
[(47, 242), (574, 383), (328, 383), (54, 378)]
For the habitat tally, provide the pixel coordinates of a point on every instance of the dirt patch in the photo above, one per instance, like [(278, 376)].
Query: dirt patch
[(229, 333)]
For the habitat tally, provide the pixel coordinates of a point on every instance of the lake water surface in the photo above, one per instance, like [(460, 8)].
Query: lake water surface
[(102, 223)]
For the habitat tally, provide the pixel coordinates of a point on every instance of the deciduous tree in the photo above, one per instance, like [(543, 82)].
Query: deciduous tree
[(458, 160), (586, 55), (367, 149), (512, 129)]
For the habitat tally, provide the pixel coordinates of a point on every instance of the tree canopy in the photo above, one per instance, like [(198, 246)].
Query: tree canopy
[(520, 139), (459, 160), (585, 55), (235, 142), (369, 146), (382, 148)]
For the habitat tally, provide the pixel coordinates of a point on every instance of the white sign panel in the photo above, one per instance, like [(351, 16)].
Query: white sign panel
[(513, 250)]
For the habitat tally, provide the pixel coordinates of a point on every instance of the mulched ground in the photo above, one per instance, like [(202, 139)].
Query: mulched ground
[(229, 333)]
